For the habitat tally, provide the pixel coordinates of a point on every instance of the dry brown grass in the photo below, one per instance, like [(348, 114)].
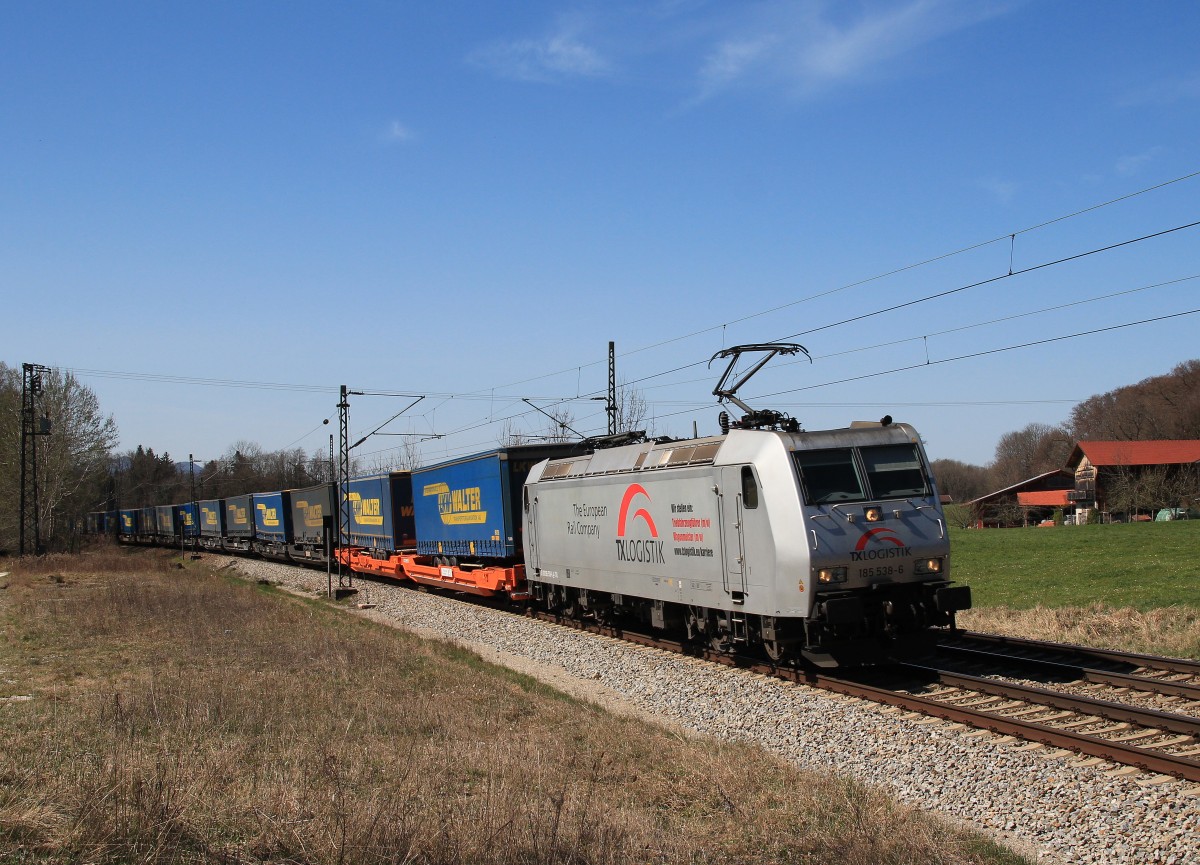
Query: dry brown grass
[(101, 558), (1171, 631), (182, 716)]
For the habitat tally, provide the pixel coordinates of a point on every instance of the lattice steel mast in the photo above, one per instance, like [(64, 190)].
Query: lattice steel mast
[(32, 426)]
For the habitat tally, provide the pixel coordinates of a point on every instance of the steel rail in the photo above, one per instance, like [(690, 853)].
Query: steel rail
[(1078, 671), (1106, 749), (1153, 662), (1110, 711)]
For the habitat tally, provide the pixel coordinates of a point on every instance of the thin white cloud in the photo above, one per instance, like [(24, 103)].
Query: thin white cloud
[(840, 53), (796, 47), (806, 48), (1128, 165), (397, 133), (558, 55), (731, 60)]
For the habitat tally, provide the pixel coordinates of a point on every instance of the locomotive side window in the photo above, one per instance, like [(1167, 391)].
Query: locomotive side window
[(829, 476), (749, 488), (894, 471)]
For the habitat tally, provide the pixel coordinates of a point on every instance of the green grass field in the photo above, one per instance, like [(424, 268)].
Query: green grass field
[(1145, 566)]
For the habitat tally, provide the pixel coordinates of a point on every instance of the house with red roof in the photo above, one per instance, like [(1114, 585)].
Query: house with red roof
[(1125, 478), (1121, 480), (1028, 501)]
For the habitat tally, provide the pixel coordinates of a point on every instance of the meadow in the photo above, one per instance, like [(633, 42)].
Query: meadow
[(1133, 586), (156, 711)]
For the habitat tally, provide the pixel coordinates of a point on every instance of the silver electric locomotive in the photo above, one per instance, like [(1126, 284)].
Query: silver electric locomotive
[(828, 545)]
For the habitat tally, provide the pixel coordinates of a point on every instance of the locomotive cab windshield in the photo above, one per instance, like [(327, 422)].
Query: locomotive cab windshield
[(872, 473)]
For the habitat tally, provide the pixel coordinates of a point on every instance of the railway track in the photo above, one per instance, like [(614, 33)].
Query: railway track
[(1127, 669), (1112, 730), (1162, 742)]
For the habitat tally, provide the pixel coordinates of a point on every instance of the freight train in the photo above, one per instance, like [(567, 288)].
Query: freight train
[(822, 547)]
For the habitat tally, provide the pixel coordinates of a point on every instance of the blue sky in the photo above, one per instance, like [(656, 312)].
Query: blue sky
[(467, 201)]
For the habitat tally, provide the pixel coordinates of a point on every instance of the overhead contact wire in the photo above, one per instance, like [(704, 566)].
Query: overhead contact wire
[(970, 248)]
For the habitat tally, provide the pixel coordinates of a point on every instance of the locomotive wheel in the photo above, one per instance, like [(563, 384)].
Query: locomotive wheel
[(775, 650)]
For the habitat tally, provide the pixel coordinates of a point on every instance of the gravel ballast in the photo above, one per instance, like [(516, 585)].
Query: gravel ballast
[(1052, 808)]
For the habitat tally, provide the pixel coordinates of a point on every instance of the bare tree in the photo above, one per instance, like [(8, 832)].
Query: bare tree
[(559, 428), (73, 461), (632, 410), (512, 436), (1121, 490), (960, 516), (320, 466), (1130, 489), (1162, 407), (408, 456), (1027, 452), (961, 481), (559, 425), (398, 460), (1010, 514), (10, 455)]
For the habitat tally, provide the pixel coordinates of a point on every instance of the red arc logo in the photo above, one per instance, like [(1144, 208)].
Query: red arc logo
[(633, 491), (880, 534)]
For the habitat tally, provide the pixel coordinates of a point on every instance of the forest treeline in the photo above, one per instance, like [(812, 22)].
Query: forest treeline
[(141, 477), (79, 470), (1161, 407)]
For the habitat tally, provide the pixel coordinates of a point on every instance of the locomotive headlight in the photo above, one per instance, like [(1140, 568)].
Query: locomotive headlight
[(831, 575), (873, 515), (928, 566)]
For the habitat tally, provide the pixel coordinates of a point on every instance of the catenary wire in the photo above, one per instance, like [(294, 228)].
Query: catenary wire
[(478, 395), (932, 260), (934, 296), (942, 294), (959, 329), (973, 355)]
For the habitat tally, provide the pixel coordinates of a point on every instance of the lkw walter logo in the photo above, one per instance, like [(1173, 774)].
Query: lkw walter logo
[(879, 543), (631, 549)]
